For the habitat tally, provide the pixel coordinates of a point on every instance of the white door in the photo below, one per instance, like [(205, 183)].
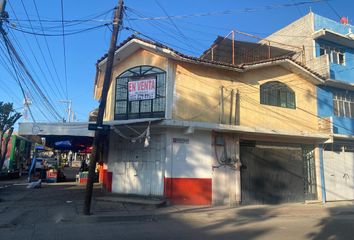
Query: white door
[(329, 174), (339, 182), (348, 175), (224, 186), (138, 169)]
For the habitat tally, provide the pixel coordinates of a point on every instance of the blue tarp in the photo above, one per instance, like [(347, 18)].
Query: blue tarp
[(62, 145)]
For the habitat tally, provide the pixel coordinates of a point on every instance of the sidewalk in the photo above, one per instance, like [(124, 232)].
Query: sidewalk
[(66, 200), (38, 213), (121, 209)]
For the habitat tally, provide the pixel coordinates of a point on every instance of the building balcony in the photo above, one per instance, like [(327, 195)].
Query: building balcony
[(334, 71)]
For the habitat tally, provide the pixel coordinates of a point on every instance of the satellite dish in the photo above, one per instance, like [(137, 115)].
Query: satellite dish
[(344, 20)]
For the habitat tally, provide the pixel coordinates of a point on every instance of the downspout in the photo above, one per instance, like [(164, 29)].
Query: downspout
[(221, 116), (323, 187)]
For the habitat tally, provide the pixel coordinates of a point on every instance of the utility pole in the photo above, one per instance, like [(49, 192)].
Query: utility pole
[(2, 5), (73, 117), (69, 102), (117, 21), (26, 103), (3, 14)]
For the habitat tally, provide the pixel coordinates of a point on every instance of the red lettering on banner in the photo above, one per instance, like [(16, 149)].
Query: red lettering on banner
[(141, 89), (131, 86), (145, 85)]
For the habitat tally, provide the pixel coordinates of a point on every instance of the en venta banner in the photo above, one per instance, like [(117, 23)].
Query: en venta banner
[(143, 89)]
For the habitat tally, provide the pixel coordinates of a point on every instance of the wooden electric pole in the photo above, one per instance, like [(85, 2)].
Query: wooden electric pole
[(117, 21), (3, 14)]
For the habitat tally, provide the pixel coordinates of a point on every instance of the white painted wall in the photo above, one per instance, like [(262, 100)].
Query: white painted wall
[(137, 169), (339, 175), (189, 160), (226, 180)]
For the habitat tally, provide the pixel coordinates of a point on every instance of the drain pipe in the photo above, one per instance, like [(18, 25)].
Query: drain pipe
[(323, 186)]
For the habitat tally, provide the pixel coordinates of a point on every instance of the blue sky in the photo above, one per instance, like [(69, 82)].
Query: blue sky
[(193, 36)]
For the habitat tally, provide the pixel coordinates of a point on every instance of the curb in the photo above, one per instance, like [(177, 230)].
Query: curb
[(117, 218)]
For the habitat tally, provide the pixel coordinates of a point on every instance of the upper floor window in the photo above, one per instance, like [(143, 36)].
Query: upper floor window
[(335, 55), (277, 94), (343, 104), (140, 93)]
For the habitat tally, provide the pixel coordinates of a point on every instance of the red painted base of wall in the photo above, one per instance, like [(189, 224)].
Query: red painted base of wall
[(188, 191), (107, 180), (100, 175), (83, 180)]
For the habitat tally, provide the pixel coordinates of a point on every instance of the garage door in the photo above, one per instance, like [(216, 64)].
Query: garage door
[(137, 169), (276, 174), (338, 169)]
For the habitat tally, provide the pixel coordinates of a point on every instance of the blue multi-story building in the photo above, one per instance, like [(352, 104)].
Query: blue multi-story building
[(328, 48)]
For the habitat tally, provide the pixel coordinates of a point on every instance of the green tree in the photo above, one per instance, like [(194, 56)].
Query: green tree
[(8, 118)]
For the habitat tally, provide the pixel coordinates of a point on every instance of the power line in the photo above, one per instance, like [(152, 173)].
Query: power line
[(231, 11), (5, 64), (22, 74), (333, 9), (140, 33), (46, 30), (14, 68), (174, 25), (136, 32), (36, 60), (161, 28), (256, 89), (79, 21), (24, 68), (54, 92), (90, 18), (60, 34), (24, 55), (64, 48), (47, 45)]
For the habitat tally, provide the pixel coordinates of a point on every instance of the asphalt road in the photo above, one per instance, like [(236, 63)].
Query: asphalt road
[(54, 212)]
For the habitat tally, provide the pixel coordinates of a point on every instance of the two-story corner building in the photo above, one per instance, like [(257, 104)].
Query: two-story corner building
[(329, 50), (202, 132)]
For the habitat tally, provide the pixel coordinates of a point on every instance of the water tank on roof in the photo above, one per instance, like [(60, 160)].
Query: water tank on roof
[(344, 20)]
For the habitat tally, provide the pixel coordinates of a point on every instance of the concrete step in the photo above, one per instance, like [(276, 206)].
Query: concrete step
[(313, 202), (132, 200)]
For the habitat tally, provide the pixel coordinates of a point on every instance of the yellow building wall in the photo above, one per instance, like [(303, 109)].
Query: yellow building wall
[(140, 57), (196, 94), (197, 97)]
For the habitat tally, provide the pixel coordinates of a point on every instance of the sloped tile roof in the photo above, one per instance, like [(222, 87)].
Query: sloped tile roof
[(216, 63)]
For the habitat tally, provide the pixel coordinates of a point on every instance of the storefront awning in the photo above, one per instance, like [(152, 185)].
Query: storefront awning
[(59, 129), (77, 134)]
